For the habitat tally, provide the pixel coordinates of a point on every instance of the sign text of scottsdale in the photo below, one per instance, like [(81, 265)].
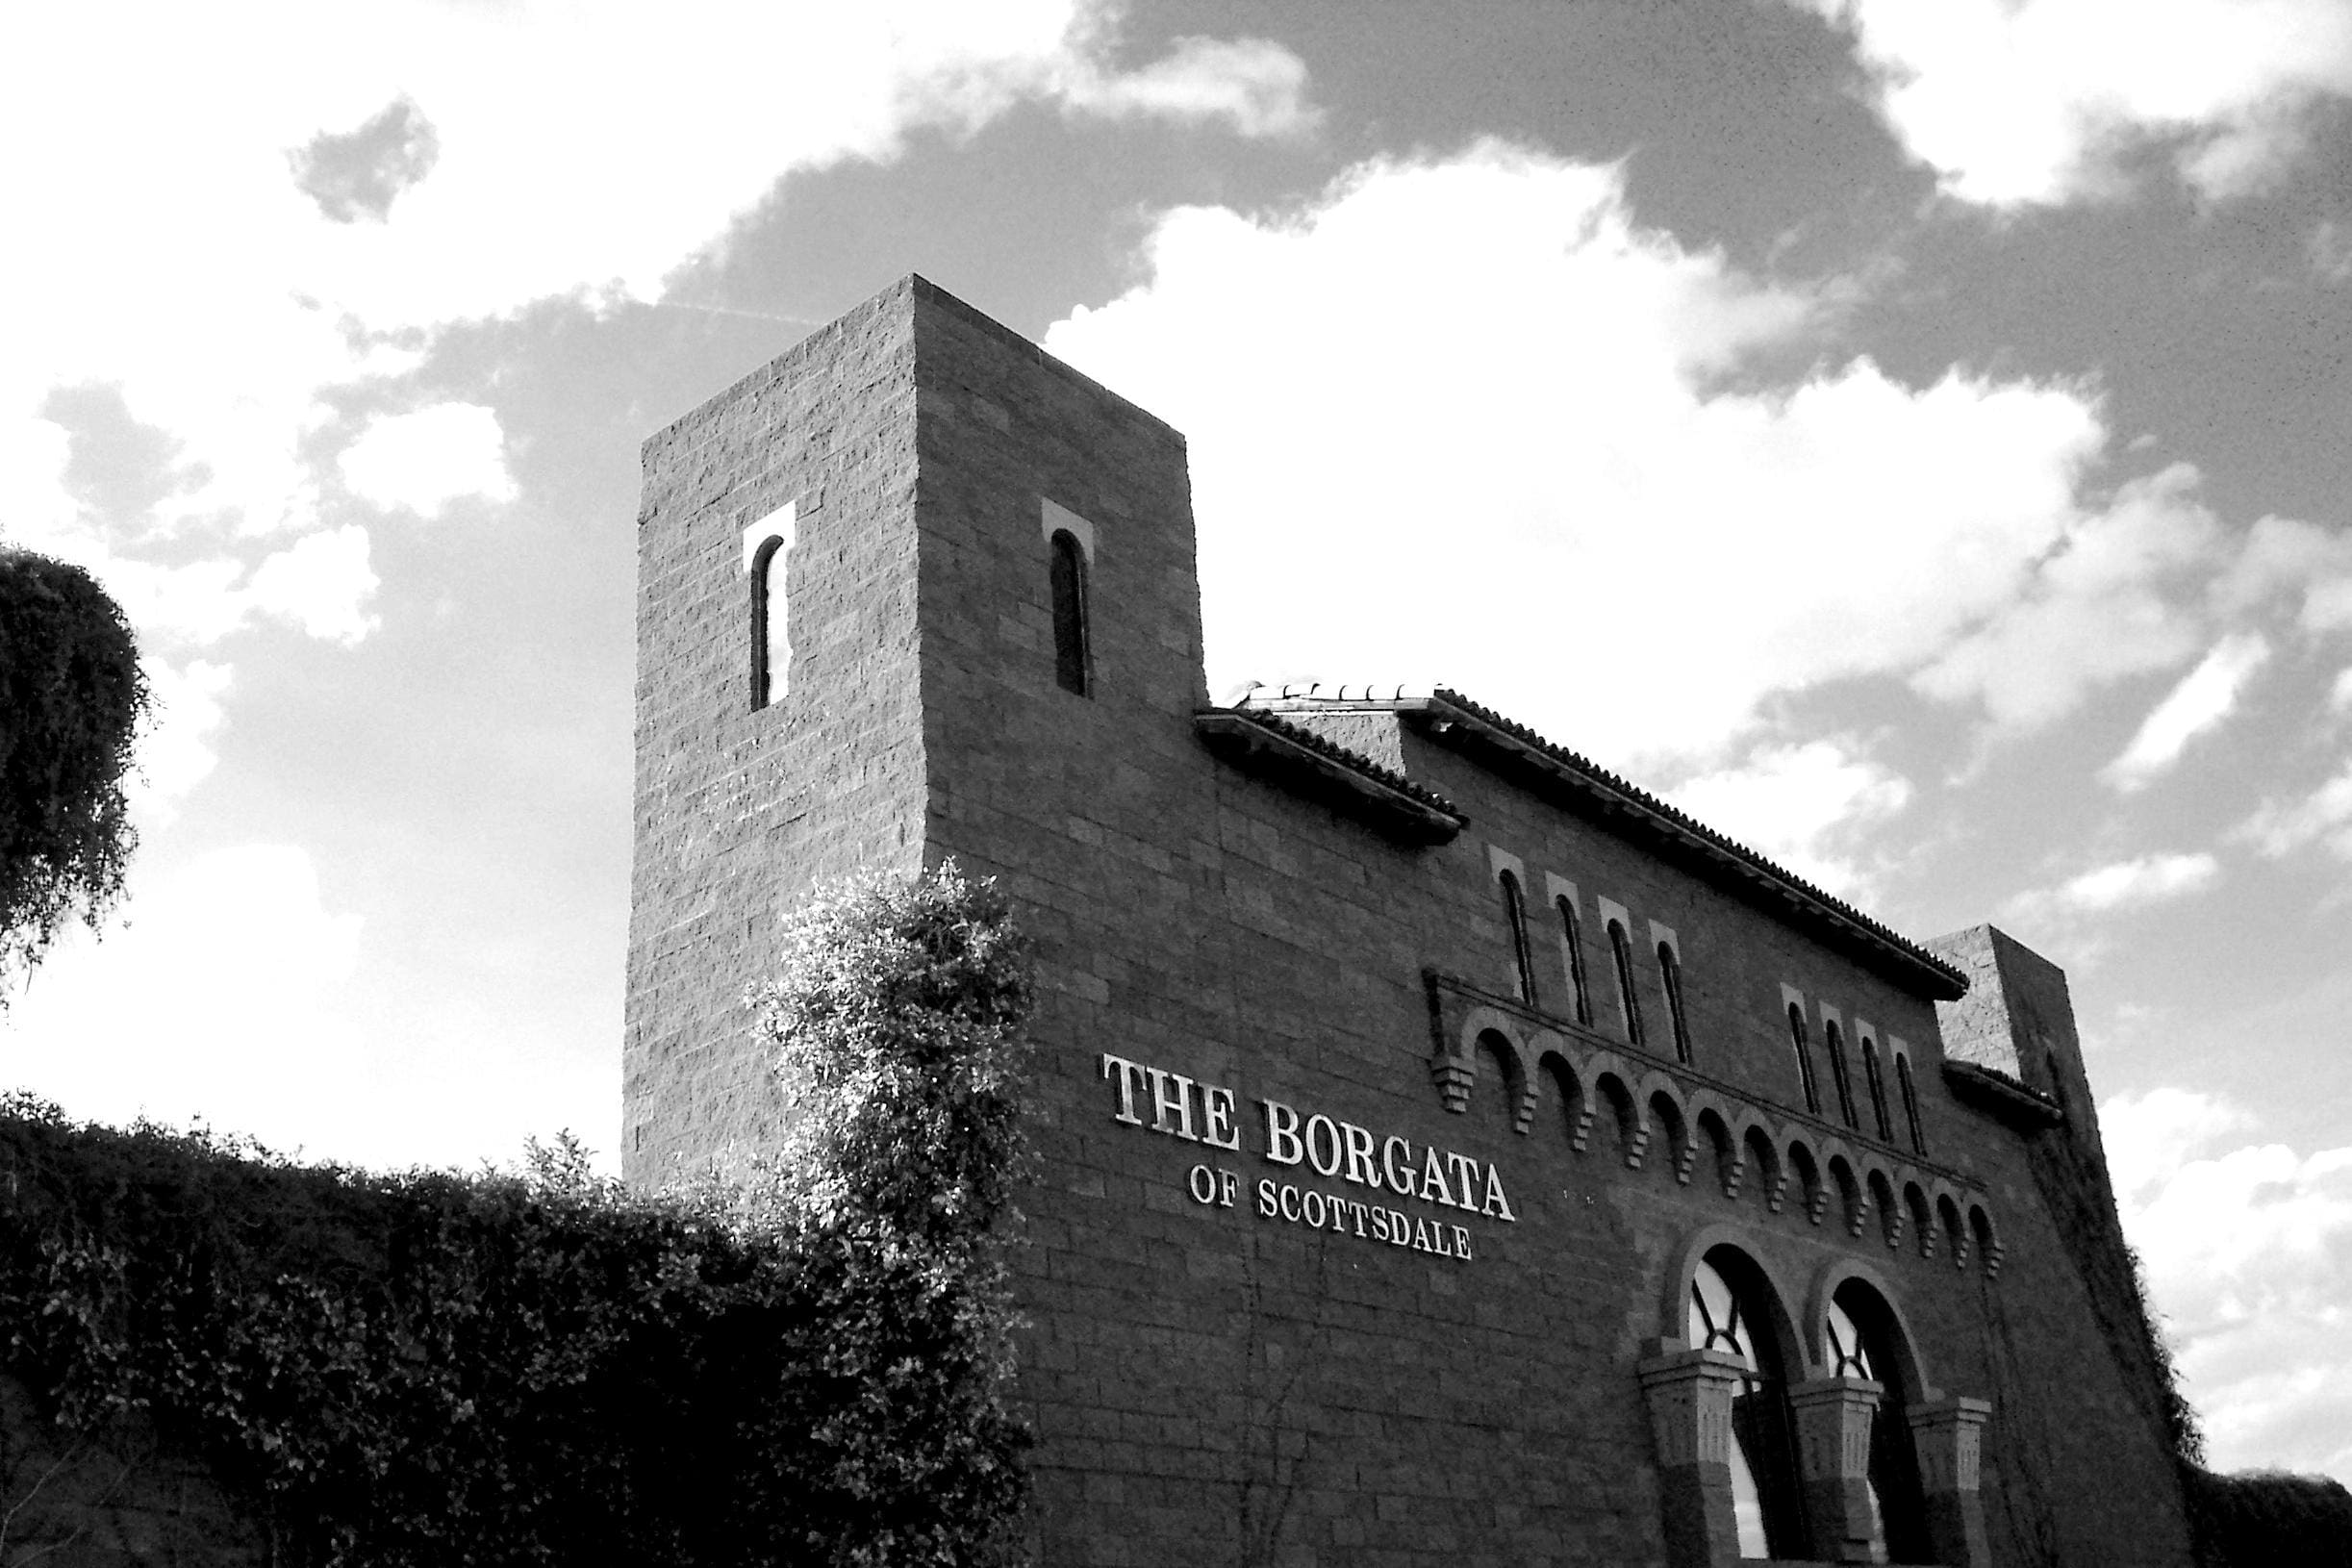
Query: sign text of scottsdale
[(1182, 1108)]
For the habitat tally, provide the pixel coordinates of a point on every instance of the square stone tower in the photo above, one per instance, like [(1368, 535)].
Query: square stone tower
[(846, 567)]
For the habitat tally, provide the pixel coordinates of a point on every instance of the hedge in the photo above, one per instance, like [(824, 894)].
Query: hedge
[(804, 1364), (2266, 1518)]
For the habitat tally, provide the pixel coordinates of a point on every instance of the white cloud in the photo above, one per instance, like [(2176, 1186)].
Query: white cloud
[(2205, 696), (1471, 401), (1259, 88), (424, 461), (180, 747), (233, 989), (2109, 601), (2124, 884), (319, 583), (2281, 826), (218, 992), (215, 276), (2286, 557), (2248, 1254), (2330, 248), (2019, 102), (2339, 695), (1803, 806)]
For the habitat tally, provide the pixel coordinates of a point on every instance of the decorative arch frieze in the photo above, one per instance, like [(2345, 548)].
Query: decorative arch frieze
[(1882, 1189), (1778, 1152), (1711, 1137)]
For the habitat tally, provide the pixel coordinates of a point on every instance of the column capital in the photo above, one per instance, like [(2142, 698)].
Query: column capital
[(1689, 1393), (1948, 1436), (1853, 1392), (1834, 1417), (1670, 1362), (1958, 1411)]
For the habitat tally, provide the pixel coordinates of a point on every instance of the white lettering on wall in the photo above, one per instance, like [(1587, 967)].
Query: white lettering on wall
[(1183, 1107)]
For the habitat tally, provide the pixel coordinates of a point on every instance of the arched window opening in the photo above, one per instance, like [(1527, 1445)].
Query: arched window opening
[(1498, 1062), (1877, 1089), (1072, 666), (1863, 1344), (1838, 1076), (1515, 916), (1572, 937), (1621, 953), (1726, 1314), (770, 640), (1670, 970), (1804, 1058), (1911, 1103)]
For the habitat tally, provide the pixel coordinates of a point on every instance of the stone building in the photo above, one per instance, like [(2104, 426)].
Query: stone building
[(1451, 1153)]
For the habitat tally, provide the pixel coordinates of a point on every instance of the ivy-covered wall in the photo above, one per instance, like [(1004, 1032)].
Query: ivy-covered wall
[(803, 1364)]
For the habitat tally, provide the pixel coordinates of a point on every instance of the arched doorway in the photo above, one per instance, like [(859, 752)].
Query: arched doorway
[(1864, 1341), (1732, 1310)]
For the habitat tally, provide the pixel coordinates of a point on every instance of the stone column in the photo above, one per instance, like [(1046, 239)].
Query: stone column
[(1948, 1436), (1833, 1455), (1690, 1417)]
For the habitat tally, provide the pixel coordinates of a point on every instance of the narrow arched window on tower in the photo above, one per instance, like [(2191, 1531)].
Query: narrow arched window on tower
[(1835, 1040), (1571, 938), (1877, 1089), (770, 640), (1073, 669), (1515, 916), (1804, 1058), (1621, 954), (1910, 1101), (1670, 970)]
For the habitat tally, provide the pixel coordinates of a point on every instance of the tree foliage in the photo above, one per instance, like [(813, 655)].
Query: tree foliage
[(806, 1365), (71, 698), (898, 1020)]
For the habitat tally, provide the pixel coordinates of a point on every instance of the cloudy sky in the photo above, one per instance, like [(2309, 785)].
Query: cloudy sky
[(1915, 437)]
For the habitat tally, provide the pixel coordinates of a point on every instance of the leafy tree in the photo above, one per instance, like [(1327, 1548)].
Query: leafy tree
[(71, 699)]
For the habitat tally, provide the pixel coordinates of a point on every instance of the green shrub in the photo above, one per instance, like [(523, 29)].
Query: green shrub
[(71, 698), (807, 1365), (897, 1020)]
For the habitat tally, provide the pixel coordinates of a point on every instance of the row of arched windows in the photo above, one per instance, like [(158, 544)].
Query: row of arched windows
[(1733, 1309), (1621, 964), (1874, 1078)]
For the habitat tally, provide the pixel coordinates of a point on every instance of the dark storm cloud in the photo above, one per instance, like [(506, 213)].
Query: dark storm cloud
[(357, 173)]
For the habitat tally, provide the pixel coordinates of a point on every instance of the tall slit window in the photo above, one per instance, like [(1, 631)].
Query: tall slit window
[(1877, 1089), (1910, 1101), (1072, 667), (1515, 916), (770, 641), (1670, 970), (1572, 937), (1838, 1076), (1804, 1058), (1621, 954)]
